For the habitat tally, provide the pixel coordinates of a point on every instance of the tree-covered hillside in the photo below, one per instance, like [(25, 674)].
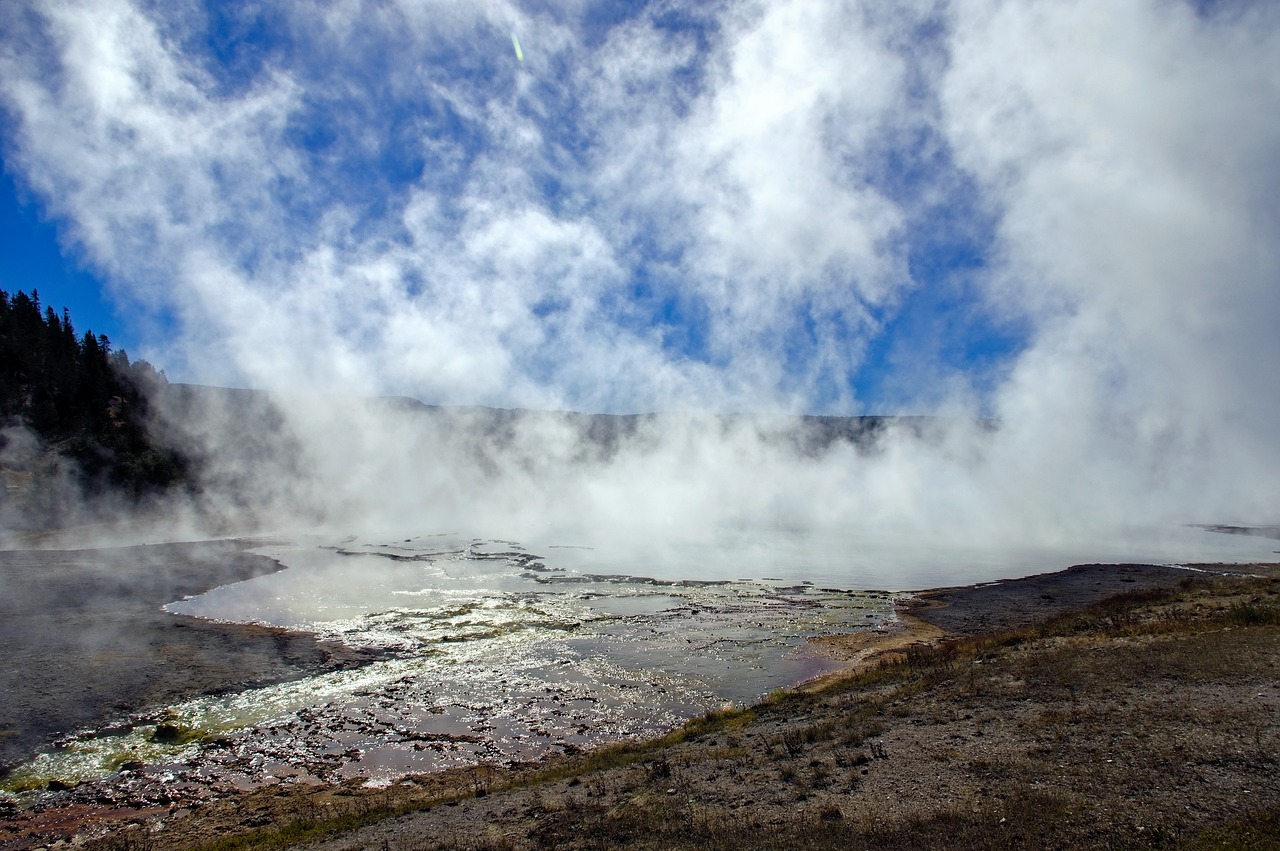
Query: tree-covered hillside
[(84, 402)]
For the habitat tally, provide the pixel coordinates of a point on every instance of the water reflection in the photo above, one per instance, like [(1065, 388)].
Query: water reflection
[(499, 651), (493, 653)]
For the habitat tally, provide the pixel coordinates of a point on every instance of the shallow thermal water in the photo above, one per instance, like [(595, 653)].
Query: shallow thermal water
[(499, 652), (492, 654)]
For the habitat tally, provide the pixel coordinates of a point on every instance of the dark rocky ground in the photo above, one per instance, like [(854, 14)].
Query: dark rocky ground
[(84, 638), (975, 609)]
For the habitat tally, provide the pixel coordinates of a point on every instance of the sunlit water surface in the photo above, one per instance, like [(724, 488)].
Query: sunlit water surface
[(504, 651)]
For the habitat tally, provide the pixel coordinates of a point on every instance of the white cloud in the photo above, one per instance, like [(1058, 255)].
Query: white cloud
[(769, 159), (748, 179), (655, 216), (758, 180), (1130, 147), (127, 147)]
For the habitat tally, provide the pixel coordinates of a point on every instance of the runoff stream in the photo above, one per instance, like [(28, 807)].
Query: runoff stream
[(494, 652), (489, 653)]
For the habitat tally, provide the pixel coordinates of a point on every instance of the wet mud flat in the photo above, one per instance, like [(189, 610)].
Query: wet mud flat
[(489, 660), (537, 665), (85, 639), (1001, 749)]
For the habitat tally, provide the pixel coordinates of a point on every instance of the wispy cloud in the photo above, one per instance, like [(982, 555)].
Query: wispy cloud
[(1062, 214), (1136, 195)]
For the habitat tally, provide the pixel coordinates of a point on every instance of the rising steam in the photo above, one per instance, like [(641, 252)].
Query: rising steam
[(742, 209)]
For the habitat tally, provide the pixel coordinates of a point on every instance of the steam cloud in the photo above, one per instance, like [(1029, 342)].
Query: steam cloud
[(732, 207)]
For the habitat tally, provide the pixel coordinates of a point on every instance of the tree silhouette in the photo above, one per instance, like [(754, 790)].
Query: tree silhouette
[(85, 402)]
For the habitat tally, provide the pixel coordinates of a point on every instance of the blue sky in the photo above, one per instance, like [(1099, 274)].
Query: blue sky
[(830, 207), (33, 258)]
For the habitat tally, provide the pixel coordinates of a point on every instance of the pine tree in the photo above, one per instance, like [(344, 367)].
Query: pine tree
[(85, 401)]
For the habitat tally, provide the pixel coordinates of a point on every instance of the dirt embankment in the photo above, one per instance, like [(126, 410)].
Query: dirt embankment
[(1148, 719), (85, 639)]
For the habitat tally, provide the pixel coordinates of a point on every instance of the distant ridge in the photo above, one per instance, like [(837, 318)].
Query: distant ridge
[(806, 434)]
